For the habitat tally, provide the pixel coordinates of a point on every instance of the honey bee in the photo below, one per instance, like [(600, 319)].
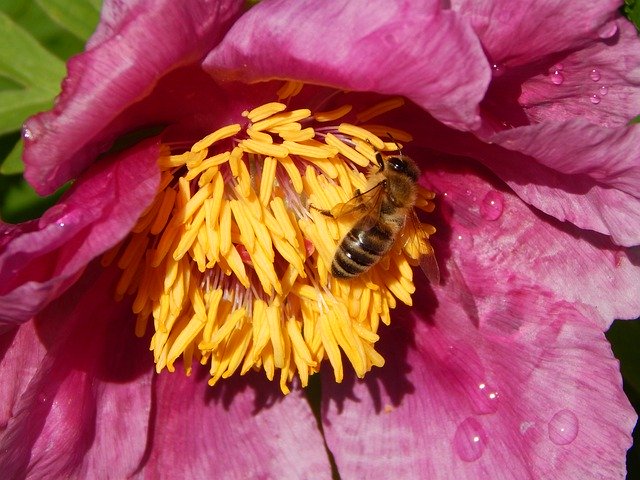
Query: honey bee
[(383, 210)]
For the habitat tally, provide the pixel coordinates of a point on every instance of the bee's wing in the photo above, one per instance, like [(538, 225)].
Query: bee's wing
[(467, 299), (414, 238), (429, 266), (364, 206)]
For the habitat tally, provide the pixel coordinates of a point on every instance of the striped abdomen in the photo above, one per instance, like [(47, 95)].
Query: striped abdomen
[(363, 246)]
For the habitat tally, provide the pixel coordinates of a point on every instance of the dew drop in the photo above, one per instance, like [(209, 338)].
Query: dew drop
[(27, 134), (484, 399), (492, 205), (61, 224), (497, 70), (603, 90), (489, 392), (595, 99), (525, 427), (608, 31), (595, 75), (465, 241), (557, 78), (470, 440), (563, 427)]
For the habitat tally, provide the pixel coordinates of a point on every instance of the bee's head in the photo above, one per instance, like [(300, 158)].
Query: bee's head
[(403, 165)]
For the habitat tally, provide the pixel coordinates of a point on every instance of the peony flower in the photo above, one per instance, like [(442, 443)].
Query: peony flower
[(206, 242)]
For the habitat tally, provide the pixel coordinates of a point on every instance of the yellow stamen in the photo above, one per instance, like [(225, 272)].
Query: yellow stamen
[(293, 172), (224, 132), (347, 151), (259, 136), (281, 119), (297, 135), (333, 115), (290, 89), (363, 134), (380, 108), (322, 151), (255, 146), (265, 111), (231, 263)]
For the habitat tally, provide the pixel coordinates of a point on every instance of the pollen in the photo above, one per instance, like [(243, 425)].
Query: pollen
[(230, 266)]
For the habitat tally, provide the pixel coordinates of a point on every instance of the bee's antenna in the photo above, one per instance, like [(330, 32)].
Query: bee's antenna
[(396, 143)]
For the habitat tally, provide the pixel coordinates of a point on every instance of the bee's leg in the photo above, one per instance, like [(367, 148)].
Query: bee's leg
[(323, 212)]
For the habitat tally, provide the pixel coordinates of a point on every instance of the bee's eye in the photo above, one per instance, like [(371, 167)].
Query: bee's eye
[(397, 164)]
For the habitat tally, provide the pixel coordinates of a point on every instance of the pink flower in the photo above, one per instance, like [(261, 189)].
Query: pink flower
[(520, 124)]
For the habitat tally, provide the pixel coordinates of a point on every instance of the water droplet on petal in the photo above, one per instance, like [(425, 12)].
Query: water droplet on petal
[(484, 399), (595, 75), (27, 134), (563, 427), (525, 427), (61, 224), (492, 205), (595, 99), (604, 90), (466, 241), (557, 78), (470, 440), (497, 70), (608, 31)]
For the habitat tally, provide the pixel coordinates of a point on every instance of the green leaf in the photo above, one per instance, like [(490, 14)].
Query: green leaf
[(635, 120), (25, 61), (17, 105), (625, 338), (20, 203), (29, 16), (79, 17), (30, 74), (12, 163), (632, 11)]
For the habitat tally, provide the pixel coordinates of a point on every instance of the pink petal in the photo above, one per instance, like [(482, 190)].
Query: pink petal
[(120, 68), (578, 172), (20, 354), (414, 49), (504, 370), (487, 228), (513, 33), (72, 371), (542, 401), (97, 212), (599, 83), (589, 196), (243, 428)]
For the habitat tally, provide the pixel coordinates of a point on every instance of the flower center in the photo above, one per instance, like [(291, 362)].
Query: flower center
[(232, 261)]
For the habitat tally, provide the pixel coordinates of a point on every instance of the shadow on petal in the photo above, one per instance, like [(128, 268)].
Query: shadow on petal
[(391, 381), (266, 393)]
